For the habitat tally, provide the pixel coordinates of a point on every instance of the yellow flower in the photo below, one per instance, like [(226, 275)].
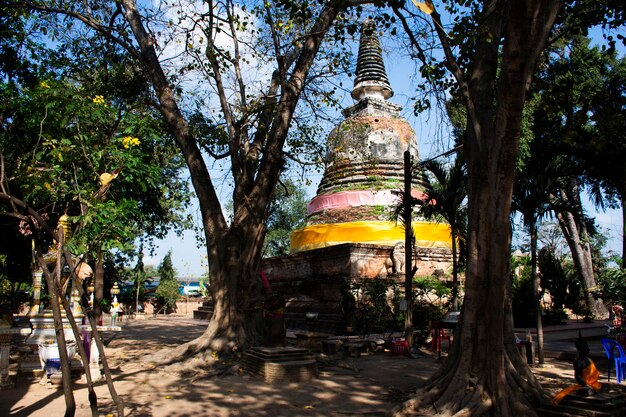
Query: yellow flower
[(98, 100), (44, 84), (128, 141)]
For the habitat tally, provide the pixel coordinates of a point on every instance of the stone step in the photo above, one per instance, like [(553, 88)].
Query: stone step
[(202, 314), (601, 400), (205, 311), (612, 404)]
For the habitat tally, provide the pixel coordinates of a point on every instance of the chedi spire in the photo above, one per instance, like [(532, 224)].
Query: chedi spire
[(371, 78)]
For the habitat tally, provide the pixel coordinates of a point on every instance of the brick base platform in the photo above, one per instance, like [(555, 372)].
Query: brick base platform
[(280, 364)]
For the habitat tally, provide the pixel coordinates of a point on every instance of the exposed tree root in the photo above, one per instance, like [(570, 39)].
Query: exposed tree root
[(215, 348), (454, 391)]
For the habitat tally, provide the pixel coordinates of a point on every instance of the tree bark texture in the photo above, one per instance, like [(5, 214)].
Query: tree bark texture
[(577, 238), (485, 374), (93, 399), (455, 273), (234, 250), (95, 334), (98, 294), (52, 282)]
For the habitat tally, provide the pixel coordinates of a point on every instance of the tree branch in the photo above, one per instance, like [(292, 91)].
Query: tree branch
[(107, 31), (298, 160), (209, 202)]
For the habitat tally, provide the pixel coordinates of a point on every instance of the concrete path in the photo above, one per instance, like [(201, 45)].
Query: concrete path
[(370, 385)]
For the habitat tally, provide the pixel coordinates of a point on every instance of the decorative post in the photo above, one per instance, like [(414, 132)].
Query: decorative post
[(35, 307)]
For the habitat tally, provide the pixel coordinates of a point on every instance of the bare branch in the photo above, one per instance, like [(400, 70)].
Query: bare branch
[(16, 202), (215, 156), (107, 31), (237, 58), (298, 160), (17, 216)]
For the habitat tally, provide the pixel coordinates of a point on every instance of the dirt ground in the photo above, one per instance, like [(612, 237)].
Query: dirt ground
[(371, 385)]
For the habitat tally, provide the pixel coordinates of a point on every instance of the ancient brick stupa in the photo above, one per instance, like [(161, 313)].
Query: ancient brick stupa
[(349, 236), (365, 166)]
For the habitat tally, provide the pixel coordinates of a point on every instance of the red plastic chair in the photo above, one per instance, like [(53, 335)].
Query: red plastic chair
[(439, 334)]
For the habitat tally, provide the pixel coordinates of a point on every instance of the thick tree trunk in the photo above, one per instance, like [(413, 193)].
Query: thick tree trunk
[(236, 289), (234, 251), (455, 274), (485, 374), (577, 238), (581, 256)]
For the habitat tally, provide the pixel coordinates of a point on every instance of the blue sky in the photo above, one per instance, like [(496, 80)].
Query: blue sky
[(432, 137)]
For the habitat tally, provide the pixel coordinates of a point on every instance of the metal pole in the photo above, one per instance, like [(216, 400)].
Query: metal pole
[(408, 251)]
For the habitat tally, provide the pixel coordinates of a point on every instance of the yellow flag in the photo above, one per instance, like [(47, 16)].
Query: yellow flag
[(105, 178), (426, 7)]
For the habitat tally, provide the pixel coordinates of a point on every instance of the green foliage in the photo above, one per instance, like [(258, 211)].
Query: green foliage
[(287, 213), (612, 281), (523, 301), (553, 278), (578, 117), (447, 197), (554, 317), (425, 287), (140, 276), (166, 269), (13, 293), (369, 310), (67, 128), (167, 293), (428, 305), (575, 296)]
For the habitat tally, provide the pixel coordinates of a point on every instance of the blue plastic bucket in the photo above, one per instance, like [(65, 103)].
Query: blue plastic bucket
[(53, 366)]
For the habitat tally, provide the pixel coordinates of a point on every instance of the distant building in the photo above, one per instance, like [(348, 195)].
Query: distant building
[(189, 285)]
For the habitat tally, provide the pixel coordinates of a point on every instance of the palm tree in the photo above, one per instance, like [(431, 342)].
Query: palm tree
[(447, 201), (531, 198)]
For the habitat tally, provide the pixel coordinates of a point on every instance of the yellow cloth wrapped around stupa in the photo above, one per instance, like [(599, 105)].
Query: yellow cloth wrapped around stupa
[(427, 234)]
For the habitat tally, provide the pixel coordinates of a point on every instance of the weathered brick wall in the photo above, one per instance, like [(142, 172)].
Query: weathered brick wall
[(313, 280), (353, 261)]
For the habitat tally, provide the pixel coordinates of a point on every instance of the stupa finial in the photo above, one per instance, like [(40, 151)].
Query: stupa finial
[(371, 78)]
